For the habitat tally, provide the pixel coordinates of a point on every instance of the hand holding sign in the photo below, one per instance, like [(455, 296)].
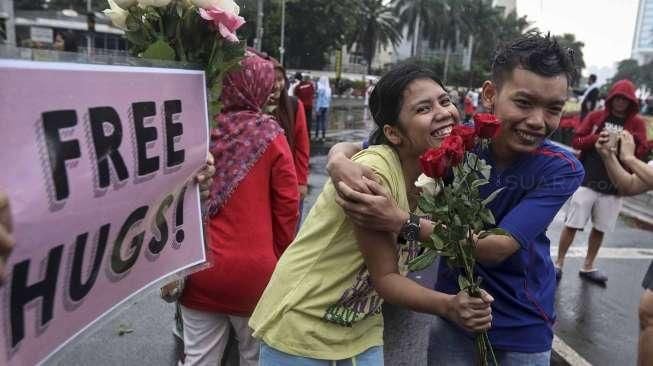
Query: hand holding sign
[(6, 240), (205, 177)]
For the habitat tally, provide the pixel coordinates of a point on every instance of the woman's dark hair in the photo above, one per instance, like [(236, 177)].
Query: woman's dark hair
[(537, 53), (285, 111), (387, 97)]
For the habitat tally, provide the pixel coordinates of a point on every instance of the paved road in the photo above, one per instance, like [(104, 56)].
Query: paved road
[(599, 323)]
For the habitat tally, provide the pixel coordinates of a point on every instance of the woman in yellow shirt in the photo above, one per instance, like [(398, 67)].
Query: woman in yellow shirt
[(323, 303)]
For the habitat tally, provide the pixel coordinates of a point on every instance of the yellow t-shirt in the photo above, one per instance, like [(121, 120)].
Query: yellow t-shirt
[(320, 302)]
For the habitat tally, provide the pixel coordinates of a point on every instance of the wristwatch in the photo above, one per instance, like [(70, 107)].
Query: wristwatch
[(410, 229)]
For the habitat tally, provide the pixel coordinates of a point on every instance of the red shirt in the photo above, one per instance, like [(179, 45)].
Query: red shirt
[(247, 236), (302, 148), (305, 92)]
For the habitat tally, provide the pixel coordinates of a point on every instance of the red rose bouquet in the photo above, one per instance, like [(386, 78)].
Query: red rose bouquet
[(460, 215)]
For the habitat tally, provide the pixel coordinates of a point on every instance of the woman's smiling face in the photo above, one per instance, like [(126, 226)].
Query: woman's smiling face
[(427, 116)]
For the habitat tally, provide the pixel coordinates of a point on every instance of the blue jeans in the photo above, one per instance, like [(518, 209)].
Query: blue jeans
[(273, 357), (449, 346), (321, 121)]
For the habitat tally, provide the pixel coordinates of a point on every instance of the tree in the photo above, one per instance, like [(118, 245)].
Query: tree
[(417, 17), (316, 27), (271, 25), (569, 41), (377, 28), (78, 5), (628, 69)]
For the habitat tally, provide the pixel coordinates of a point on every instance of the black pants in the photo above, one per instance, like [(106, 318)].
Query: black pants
[(648, 278), (308, 110)]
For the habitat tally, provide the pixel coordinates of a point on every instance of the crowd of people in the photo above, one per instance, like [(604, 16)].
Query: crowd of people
[(313, 294)]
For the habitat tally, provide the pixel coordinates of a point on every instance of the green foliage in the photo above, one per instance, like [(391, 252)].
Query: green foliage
[(376, 28), (462, 217), (314, 28), (422, 261), (78, 5), (178, 33)]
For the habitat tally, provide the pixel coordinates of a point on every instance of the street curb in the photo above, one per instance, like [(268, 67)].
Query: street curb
[(562, 352)]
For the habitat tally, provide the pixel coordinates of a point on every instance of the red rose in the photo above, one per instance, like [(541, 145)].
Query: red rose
[(468, 134), (487, 125), (454, 148), (435, 163)]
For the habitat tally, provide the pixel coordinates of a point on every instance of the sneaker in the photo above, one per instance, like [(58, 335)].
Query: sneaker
[(558, 271), (594, 276)]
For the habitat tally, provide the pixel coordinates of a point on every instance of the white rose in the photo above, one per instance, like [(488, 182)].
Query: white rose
[(154, 3), (125, 4), (428, 185), (117, 14), (227, 5)]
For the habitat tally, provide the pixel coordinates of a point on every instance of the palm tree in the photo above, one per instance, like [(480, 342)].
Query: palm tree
[(377, 28), (418, 17)]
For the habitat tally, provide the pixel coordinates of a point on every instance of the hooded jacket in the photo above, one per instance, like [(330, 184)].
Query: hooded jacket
[(588, 131)]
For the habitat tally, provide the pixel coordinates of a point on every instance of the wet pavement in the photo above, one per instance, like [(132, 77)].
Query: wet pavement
[(600, 324)]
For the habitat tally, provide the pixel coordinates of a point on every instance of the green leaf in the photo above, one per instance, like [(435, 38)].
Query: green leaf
[(463, 283), (437, 241), (160, 50), (423, 261), (492, 196), (479, 182), (494, 231), (426, 204), (137, 38), (487, 216), (457, 221)]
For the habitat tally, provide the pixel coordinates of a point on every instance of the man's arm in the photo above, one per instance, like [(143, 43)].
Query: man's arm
[(378, 211), (341, 169)]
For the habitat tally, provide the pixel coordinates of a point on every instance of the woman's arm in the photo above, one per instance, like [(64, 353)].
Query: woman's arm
[(284, 198), (380, 254), (627, 184), (302, 149)]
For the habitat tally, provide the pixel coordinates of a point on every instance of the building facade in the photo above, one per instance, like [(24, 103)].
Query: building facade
[(642, 49)]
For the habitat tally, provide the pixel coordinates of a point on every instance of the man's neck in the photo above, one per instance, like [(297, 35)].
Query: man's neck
[(503, 156)]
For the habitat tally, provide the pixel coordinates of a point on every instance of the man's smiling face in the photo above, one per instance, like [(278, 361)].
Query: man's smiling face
[(529, 107)]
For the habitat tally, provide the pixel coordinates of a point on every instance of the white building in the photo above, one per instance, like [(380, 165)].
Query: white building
[(642, 50)]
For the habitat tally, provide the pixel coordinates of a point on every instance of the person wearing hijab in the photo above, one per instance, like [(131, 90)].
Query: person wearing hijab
[(252, 218), (322, 103), (289, 112)]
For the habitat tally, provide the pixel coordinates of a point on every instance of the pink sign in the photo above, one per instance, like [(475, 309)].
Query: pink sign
[(98, 162)]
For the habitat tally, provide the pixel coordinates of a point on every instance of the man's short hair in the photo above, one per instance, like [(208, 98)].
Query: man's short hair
[(536, 53), (298, 76), (592, 78)]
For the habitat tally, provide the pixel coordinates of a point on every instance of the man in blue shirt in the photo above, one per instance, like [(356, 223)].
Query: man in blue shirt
[(530, 80)]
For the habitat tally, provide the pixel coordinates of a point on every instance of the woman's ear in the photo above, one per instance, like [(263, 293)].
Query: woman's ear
[(489, 95), (393, 135)]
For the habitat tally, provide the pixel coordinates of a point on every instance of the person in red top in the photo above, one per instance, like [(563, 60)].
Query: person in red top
[(289, 112), (252, 218), (598, 197), (305, 91)]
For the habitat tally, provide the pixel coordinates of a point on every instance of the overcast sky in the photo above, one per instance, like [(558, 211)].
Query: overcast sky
[(605, 26)]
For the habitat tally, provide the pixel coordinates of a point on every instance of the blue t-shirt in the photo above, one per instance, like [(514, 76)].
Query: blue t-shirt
[(523, 286)]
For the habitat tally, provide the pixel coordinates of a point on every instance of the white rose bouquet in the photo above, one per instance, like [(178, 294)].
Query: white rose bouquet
[(201, 32)]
